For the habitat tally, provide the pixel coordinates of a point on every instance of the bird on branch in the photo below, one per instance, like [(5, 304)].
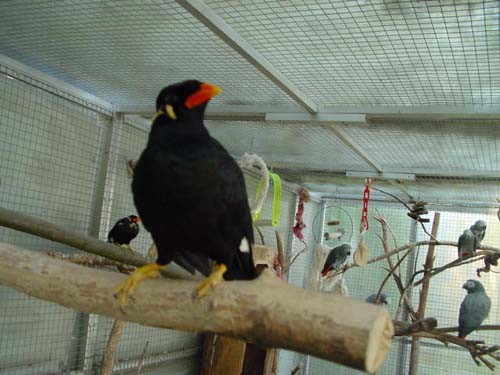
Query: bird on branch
[(191, 195), (124, 231)]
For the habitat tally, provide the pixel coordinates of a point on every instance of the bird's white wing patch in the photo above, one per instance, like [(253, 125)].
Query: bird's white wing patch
[(244, 245)]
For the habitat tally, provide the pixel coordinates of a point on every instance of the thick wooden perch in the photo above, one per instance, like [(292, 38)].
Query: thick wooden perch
[(266, 311)]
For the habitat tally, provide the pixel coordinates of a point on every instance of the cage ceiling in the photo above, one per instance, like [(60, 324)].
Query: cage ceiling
[(321, 89)]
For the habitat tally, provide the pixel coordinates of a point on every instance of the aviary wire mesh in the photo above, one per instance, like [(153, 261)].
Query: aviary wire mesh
[(52, 150), (377, 52), (445, 293), (63, 154), (103, 45), (66, 163)]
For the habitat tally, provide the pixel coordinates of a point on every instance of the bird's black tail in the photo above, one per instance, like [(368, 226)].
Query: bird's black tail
[(242, 268)]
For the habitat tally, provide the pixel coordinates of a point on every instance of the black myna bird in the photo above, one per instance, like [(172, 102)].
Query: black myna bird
[(190, 194), (124, 231)]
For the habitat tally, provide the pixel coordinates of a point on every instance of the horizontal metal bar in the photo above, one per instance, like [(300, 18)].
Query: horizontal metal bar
[(324, 175), (381, 198), (417, 112), (381, 175), (307, 118), (214, 22)]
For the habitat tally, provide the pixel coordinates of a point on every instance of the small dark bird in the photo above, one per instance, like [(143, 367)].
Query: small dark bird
[(382, 299), (191, 194), (124, 231), (474, 308), (336, 258), (471, 239)]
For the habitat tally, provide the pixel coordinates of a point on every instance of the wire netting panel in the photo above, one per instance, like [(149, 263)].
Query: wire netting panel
[(126, 51), (183, 366), (297, 276), (362, 282), (132, 140), (285, 145), (446, 293), (416, 145), (49, 152), (377, 52)]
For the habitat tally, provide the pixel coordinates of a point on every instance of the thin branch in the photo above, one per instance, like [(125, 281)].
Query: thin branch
[(264, 311), (481, 328), (397, 278), (411, 245), (476, 349), (391, 272), (113, 340), (438, 270), (41, 228), (391, 195), (297, 368), (261, 236), (141, 360), (290, 264), (406, 328)]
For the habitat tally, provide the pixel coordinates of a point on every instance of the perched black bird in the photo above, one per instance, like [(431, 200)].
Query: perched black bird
[(336, 258), (474, 308), (190, 193), (124, 231)]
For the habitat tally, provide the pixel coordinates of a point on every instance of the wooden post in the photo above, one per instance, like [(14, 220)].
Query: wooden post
[(429, 262)]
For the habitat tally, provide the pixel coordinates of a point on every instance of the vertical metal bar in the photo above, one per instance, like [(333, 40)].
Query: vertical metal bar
[(404, 344), (99, 226), (319, 230)]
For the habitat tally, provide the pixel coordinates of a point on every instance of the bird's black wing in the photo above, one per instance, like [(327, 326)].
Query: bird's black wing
[(115, 232), (234, 222)]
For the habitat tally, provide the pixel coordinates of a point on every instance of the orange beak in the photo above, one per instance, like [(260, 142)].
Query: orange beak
[(136, 220), (206, 92)]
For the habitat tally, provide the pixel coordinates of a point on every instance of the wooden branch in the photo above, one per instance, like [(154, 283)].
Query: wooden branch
[(297, 368), (481, 328), (429, 262), (41, 228), (454, 263), (477, 349), (141, 360), (406, 328), (113, 340), (292, 261), (412, 245), (264, 311), (397, 278)]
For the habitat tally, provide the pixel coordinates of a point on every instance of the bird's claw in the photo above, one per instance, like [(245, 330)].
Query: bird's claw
[(125, 290), (211, 281)]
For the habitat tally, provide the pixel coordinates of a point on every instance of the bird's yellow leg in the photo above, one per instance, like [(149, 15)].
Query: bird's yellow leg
[(212, 280), (129, 286)]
